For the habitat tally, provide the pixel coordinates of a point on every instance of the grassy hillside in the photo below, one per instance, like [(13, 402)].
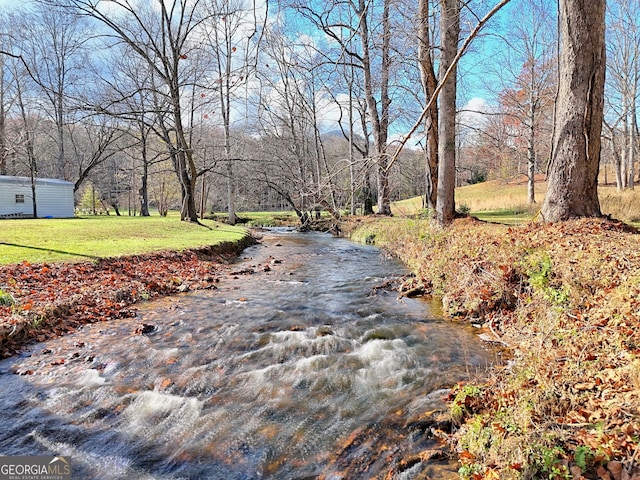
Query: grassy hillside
[(50, 240), (506, 202)]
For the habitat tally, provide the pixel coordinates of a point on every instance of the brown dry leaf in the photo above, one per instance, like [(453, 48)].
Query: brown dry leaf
[(576, 471), (603, 474), (466, 456), (583, 386), (616, 469)]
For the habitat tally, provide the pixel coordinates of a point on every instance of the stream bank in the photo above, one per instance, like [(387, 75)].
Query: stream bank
[(41, 301), (565, 299)]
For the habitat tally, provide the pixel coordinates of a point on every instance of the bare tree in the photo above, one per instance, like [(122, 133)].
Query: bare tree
[(623, 60), (378, 110), (528, 76), (363, 31), (446, 92), (231, 34), (94, 143), (163, 35), (352, 123), (28, 141), (126, 94), (285, 122), (144, 126), (449, 33), (429, 84), (6, 94), (573, 173), (54, 47)]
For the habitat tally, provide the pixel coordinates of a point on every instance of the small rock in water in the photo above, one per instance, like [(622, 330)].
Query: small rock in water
[(144, 329), (324, 331)]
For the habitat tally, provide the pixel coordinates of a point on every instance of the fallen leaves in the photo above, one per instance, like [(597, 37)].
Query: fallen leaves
[(52, 299), (566, 298)]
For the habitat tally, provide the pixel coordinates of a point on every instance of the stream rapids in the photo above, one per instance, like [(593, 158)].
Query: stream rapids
[(296, 367)]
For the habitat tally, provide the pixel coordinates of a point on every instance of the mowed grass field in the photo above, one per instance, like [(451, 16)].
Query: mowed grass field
[(506, 202), (86, 238), (82, 238)]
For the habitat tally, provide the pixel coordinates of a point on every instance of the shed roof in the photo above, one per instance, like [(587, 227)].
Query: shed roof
[(6, 179)]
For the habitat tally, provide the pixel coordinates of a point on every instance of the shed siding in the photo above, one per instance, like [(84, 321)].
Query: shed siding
[(54, 197)]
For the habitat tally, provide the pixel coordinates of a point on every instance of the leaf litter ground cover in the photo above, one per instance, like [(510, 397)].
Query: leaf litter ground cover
[(42, 300), (565, 299)]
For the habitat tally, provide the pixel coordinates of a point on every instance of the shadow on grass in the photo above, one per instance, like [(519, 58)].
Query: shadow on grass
[(93, 257), (504, 216)]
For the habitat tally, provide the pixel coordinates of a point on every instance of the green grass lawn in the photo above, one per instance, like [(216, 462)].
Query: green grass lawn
[(268, 219), (51, 240)]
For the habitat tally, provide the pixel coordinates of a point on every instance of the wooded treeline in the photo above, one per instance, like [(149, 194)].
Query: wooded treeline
[(227, 105)]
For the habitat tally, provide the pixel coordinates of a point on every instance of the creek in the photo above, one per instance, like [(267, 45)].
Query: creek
[(297, 366)]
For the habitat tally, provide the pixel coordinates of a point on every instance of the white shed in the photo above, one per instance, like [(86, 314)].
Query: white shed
[(54, 198)]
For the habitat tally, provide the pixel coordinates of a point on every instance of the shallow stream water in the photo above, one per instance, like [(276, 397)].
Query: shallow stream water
[(266, 377)]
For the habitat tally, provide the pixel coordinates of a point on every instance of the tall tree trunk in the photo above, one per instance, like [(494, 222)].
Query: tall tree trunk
[(531, 150), (429, 84), (29, 146), (225, 105), (618, 167), (379, 118), (183, 156), (449, 32), (624, 163), (232, 218), (617, 158), (573, 174), (384, 200), (62, 171), (633, 139), (615, 153), (231, 194), (144, 188), (3, 129), (352, 174), (188, 177)]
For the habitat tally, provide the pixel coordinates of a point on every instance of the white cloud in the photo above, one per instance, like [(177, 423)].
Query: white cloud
[(473, 113)]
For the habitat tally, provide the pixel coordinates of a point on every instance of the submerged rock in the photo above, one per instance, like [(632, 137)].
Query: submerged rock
[(145, 329)]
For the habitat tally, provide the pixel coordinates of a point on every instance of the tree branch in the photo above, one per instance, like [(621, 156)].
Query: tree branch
[(446, 76)]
